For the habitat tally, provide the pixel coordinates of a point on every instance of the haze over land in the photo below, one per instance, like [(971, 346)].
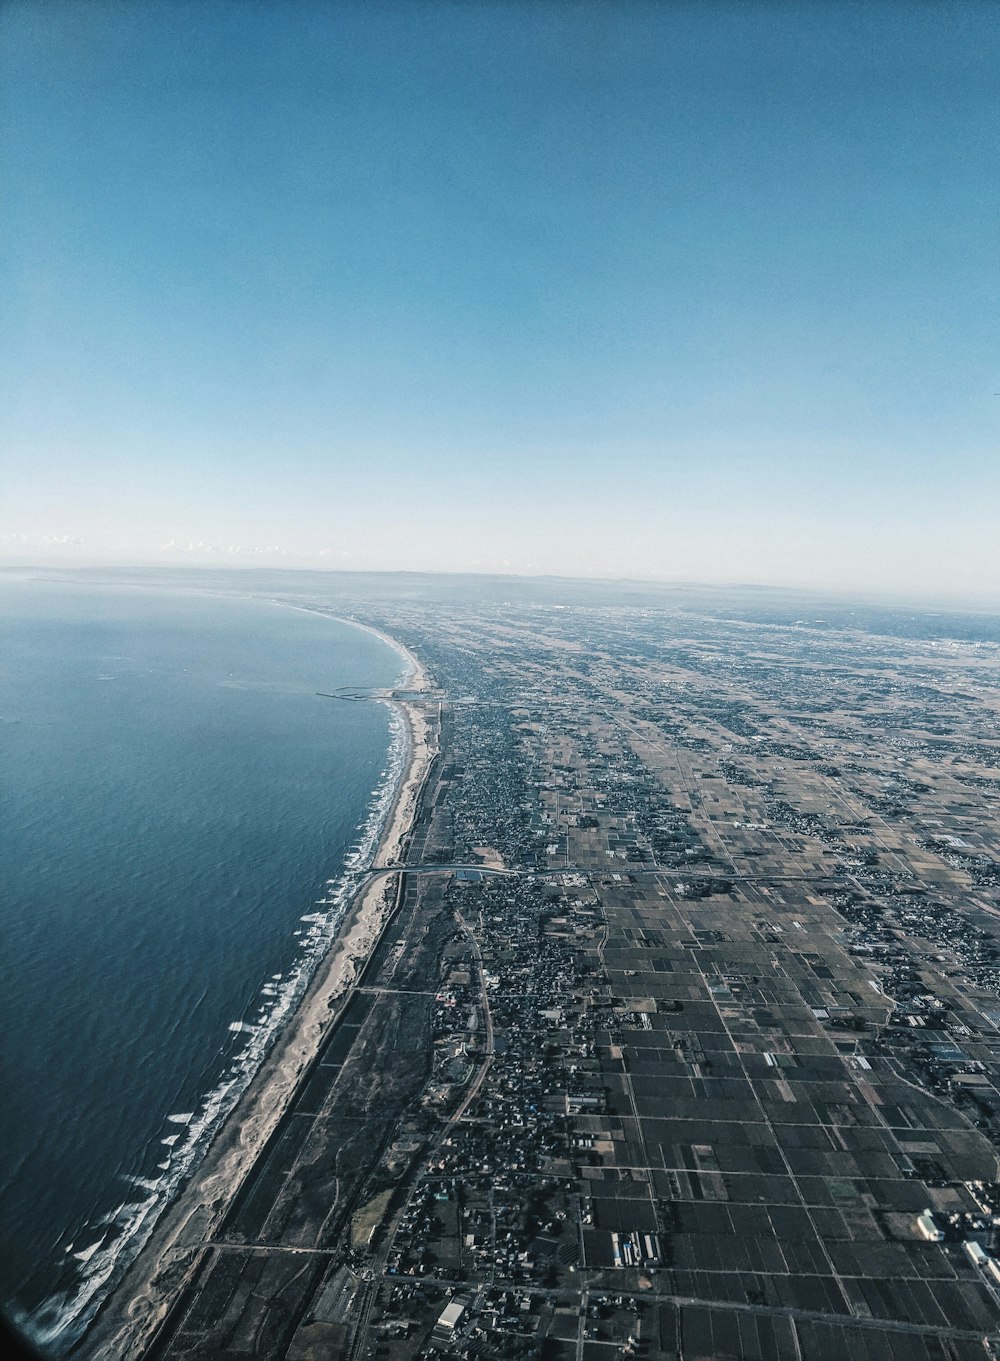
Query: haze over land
[(657, 291)]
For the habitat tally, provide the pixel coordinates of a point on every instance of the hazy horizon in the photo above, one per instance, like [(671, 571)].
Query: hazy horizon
[(278, 575), (679, 293)]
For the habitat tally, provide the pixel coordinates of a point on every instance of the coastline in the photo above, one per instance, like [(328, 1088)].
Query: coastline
[(127, 1319)]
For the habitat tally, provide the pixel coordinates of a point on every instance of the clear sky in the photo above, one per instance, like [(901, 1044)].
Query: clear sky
[(704, 291)]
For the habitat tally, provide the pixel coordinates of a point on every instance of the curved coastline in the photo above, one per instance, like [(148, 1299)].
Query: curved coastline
[(125, 1321)]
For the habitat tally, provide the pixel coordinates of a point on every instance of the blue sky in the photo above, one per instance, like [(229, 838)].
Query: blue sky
[(701, 292)]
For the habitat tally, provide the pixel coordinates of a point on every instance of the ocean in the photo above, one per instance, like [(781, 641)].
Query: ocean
[(183, 820)]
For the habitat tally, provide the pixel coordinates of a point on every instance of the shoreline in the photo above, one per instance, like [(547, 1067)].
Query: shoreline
[(418, 679), (126, 1321)]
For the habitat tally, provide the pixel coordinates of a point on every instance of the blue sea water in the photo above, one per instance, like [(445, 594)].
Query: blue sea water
[(175, 799)]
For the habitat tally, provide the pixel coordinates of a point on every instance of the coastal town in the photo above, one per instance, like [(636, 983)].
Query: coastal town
[(673, 1028)]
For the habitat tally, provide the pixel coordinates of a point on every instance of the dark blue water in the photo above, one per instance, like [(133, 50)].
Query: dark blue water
[(175, 795)]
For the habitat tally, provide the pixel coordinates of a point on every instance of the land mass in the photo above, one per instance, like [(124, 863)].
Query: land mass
[(677, 1034)]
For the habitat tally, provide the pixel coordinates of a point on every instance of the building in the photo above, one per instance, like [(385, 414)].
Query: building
[(928, 1227), (449, 1319)]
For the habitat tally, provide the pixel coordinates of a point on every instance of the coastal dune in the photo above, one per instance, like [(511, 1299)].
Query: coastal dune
[(127, 1321)]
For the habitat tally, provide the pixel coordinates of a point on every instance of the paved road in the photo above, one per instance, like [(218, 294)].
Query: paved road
[(733, 1306), (623, 870)]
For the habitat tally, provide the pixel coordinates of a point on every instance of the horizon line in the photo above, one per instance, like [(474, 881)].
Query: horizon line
[(829, 591)]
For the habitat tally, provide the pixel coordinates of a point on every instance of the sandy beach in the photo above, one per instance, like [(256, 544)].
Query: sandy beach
[(128, 1319)]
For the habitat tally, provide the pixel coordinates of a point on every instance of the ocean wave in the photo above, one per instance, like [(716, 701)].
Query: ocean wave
[(64, 1318)]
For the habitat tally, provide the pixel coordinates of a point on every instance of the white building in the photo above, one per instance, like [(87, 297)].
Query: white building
[(929, 1229)]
